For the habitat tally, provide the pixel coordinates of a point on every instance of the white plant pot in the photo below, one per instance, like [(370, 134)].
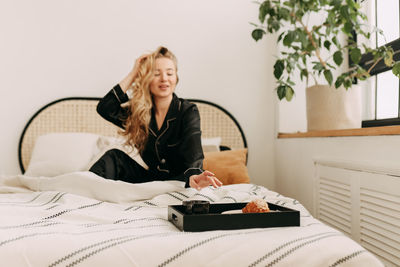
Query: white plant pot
[(329, 108)]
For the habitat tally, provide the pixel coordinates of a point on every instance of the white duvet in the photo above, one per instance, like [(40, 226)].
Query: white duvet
[(80, 219)]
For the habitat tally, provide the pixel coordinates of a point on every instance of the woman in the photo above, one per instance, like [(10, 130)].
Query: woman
[(164, 128)]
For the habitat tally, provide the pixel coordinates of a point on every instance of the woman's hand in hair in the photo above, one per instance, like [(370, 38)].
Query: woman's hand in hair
[(138, 62), (130, 78), (203, 180)]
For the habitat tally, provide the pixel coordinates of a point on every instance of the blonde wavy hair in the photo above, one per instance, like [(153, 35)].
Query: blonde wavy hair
[(141, 103)]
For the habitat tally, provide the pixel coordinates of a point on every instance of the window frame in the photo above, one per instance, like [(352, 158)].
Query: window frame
[(366, 62)]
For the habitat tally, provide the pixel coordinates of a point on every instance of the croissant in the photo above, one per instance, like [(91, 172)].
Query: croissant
[(256, 206)]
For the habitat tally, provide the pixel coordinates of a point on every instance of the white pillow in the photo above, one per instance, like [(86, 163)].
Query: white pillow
[(59, 153), (211, 144)]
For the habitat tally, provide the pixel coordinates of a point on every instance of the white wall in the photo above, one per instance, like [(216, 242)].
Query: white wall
[(51, 49)]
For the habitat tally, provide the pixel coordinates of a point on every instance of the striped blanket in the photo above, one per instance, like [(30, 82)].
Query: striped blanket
[(80, 219)]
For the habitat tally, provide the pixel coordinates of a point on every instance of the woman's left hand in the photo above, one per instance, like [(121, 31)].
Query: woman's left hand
[(203, 180)]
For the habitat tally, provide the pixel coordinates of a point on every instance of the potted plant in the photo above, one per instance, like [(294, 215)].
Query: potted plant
[(316, 51)]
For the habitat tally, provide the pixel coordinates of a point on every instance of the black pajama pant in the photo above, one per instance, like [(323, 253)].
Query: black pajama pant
[(117, 165)]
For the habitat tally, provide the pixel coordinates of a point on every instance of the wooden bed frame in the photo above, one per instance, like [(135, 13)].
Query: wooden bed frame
[(78, 114)]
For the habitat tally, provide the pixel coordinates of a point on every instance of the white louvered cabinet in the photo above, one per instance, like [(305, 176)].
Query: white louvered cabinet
[(363, 202)]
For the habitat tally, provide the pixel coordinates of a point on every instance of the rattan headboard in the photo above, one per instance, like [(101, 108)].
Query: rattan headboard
[(78, 114)]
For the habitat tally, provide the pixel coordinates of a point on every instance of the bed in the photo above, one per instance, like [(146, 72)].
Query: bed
[(58, 214)]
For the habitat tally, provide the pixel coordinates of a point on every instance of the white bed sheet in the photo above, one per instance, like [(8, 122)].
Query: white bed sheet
[(80, 219)]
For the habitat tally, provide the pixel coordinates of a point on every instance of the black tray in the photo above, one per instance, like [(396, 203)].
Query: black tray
[(214, 220)]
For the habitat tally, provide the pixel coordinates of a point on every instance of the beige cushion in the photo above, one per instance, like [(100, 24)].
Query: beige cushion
[(228, 166)]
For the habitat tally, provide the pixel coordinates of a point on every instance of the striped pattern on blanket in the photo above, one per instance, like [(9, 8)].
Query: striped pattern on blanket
[(59, 228)]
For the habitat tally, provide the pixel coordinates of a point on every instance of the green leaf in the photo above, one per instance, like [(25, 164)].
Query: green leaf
[(302, 38), (289, 4), (263, 11), (344, 12), (355, 55), (328, 76), (339, 81), (257, 34), (304, 59), (299, 13), (336, 3), (310, 48), (347, 83), (274, 24), (289, 38), (330, 66), (303, 73), (289, 93), (278, 68), (388, 58), (334, 40), (280, 36), (284, 13), (327, 44), (318, 67), (338, 57), (347, 27), (396, 69), (281, 91), (288, 81), (362, 74)]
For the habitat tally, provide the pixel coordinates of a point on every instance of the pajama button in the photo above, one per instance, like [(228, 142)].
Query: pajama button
[(163, 161)]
